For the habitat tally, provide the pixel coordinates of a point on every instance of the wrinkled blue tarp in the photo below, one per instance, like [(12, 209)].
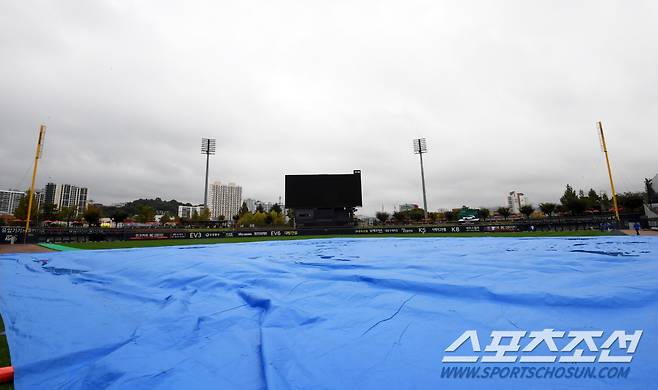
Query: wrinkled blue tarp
[(330, 313)]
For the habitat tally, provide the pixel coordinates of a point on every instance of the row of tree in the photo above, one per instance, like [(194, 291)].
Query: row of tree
[(571, 203), (139, 211), (49, 212), (260, 217), (144, 210)]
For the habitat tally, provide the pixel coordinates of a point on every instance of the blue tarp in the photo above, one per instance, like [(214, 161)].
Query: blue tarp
[(328, 313)]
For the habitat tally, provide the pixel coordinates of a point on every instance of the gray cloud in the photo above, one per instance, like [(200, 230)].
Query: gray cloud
[(507, 94)]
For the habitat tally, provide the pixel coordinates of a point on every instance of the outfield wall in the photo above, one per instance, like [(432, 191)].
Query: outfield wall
[(15, 233)]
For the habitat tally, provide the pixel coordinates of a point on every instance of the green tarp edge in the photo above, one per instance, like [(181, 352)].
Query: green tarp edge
[(57, 247)]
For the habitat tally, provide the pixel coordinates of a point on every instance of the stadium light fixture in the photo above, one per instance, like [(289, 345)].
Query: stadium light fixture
[(208, 147), (420, 147)]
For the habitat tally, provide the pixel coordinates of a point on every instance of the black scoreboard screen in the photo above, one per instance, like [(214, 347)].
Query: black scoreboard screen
[(323, 191)]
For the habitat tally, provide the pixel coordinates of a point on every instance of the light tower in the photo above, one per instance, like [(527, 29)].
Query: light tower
[(420, 147), (207, 148)]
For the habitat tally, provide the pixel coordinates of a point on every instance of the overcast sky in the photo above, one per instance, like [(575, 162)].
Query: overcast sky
[(507, 94)]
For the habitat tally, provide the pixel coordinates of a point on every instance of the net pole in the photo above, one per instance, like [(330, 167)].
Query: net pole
[(612, 183), (30, 194)]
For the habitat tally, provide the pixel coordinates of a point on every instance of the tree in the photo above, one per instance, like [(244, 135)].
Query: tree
[(504, 212), (259, 218), (577, 206), (146, 214), (290, 213), (484, 213), (21, 209), (276, 208), (605, 202), (593, 200), (631, 201), (572, 202), (527, 210), (92, 215), (547, 208), (48, 212), (569, 195), (243, 209), (205, 214), (260, 208), (276, 218), (246, 219), (165, 219), (449, 215), (399, 217), (195, 216), (280, 219), (67, 214), (651, 193), (416, 214), (382, 216), (118, 216)]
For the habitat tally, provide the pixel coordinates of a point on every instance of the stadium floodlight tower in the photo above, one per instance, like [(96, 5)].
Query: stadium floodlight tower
[(207, 148), (420, 147)]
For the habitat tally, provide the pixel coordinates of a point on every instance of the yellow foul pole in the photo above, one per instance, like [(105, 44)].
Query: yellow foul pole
[(42, 132), (607, 161)]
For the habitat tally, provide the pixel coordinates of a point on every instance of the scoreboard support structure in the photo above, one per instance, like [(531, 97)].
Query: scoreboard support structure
[(325, 199)]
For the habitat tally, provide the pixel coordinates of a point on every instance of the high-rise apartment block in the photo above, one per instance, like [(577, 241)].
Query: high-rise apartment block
[(188, 211), (516, 200), (224, 200), (9, 200), (66, 195)]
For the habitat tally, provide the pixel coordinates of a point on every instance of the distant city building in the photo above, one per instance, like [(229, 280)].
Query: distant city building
[(9, 200), (267, 206), (66, 195), (516, 200), (408, 206), (40, 198), (252, 205), (365, 220), (224, 200), (188, 211)]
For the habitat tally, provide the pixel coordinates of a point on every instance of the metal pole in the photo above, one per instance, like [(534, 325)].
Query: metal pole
[(205, 193), (422, 176), (612, 184), (30, 194)]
